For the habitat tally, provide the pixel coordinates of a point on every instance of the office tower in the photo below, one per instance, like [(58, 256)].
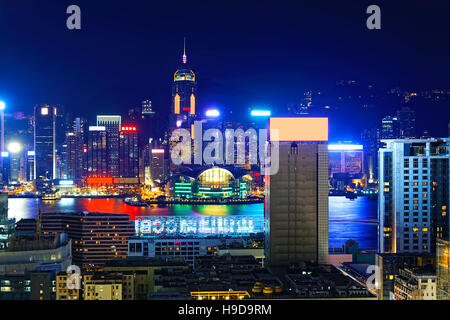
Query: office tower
[(184, 93), (44, 142), (112, 125), (296, 201), (407, 123), (157, 167), (30, 165), (443, 269), (96, 237), (97, 152), (414, 195), (129, 154), (75, 153), (389, 128)]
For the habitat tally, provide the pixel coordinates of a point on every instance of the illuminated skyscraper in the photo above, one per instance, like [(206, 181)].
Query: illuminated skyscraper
[(184, 94), (44, 142), (129, 154), (112, 125), (414, 195), (97, 152), (75, 154)]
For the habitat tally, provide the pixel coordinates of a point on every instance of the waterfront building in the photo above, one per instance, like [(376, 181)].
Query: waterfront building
[(96, 237), (229, 182), (97, 152), (414, 195), (443, 269), (44, 142), (112, 125), (296, 197), (76, 155), (415, 284), (129, 154)]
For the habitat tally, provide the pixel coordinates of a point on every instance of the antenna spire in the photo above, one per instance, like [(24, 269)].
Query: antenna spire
[(184, 52)]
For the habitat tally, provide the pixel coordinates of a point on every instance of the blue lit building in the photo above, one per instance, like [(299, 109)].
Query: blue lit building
[(44, 142)]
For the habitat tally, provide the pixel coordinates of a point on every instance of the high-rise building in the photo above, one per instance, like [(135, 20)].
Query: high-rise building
[(129, 154), (44, 142), (407, 122), (30, 165), (413, 196), (389, 128), (97, 152), (96, 237), (184, 94), (112, 126), (157, 167), (75, 153), (296, 201)]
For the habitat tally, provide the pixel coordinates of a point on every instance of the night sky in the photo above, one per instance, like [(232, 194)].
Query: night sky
[(245, 53)]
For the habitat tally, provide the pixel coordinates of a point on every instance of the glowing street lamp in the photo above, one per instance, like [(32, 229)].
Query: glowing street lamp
[(14, 147)]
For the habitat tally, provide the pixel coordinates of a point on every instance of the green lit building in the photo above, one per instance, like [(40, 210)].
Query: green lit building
[(211, 183)]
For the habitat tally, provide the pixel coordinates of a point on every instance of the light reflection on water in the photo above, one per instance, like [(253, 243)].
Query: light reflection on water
[(349, 219)]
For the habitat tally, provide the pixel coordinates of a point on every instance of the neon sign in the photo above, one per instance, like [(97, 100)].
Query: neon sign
[(234, 226)]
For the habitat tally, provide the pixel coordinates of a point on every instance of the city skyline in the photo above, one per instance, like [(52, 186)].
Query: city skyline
[(224, 151), (293, 63)]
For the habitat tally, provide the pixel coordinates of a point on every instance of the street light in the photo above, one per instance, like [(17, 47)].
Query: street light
[(14, 147)]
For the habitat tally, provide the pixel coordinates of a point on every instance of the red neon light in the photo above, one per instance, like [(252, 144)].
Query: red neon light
[(99, 180), (128, 128), (84, 149), (186, 109)]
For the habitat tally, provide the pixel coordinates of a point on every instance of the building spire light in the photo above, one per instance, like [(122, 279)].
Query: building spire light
[(184, 52)]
